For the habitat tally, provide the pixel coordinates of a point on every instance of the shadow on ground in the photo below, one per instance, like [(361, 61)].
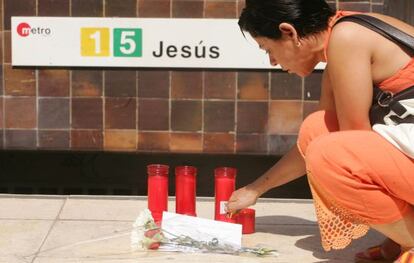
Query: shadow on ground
[(295, 226)]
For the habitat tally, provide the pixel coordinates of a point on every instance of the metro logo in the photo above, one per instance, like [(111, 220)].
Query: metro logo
[(23, 29)]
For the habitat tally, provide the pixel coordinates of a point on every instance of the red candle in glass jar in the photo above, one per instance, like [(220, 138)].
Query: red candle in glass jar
[(157, 190), (225, 184), (247, 218), (185, 190)]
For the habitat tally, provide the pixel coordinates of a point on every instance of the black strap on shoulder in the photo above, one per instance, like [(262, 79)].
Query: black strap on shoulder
[(383, 28)]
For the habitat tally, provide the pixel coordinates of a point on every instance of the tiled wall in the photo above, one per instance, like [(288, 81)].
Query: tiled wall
[(202, 111)]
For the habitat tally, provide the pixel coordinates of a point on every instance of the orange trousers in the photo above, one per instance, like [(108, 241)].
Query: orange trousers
[(357, 179)]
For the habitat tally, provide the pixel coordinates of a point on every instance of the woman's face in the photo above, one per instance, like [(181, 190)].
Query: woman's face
[(291, 57)]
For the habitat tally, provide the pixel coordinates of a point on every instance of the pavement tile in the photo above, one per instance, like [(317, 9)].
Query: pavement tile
[(118, 209), (20, 239), (86, 259), (88, 239), (102, 209), (285, 212), (34, 208), (16, 259)]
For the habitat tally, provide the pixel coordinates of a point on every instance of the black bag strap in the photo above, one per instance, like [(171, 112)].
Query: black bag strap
[(383, 28)]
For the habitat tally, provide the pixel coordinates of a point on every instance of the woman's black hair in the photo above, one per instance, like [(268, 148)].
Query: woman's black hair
[(263, 17)]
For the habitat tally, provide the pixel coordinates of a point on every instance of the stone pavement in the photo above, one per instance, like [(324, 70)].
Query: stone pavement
[(56, 229)]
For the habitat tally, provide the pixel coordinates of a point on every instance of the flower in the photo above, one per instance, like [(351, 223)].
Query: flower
[(143, 218), (146, 234)]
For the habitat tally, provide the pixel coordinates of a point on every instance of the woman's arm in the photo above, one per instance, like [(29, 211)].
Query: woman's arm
[(350, 55), (290, 167)]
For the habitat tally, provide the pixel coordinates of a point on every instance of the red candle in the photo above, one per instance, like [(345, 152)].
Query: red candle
[(247, 218), (185, 190), (157, 190), (225, 184)]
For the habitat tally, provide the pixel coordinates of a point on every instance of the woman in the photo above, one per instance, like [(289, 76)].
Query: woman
[(358, 179)]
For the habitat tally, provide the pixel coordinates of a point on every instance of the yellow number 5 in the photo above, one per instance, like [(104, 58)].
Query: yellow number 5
[(94, 42)]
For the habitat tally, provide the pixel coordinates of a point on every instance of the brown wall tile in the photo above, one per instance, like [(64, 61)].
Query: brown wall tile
[(403, 9), (219, 116), (6, 46), (221, 9), (378, 9), (220, 85), (120, 113), (310, 107), (286, 86), (281, 144), (251, 143), (87, 113), (253, 85), (20, 113), (1, 114), (154, 8), (53, 83), (86, 83), (354, 6), (186, 115), (120, 83), (86, 140), (1, 16), (153, 84), (1, 81), (53, 113), (218, 143), (153, 114), (285, 117), (1, 139), (313, 85), (17, 8), (154, 141), (187, 8), (240, 5), (124, 8), (20, 139), (186, 84), (120, 140), (252, 117), (19, 82), (186, 142), (92, 8), (54, 140), (332, 4), (53, 7)]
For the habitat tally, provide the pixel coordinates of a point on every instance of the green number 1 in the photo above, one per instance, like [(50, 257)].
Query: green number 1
[(128, 42)]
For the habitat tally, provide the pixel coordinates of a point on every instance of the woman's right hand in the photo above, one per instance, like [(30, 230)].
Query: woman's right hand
[(242, 198)]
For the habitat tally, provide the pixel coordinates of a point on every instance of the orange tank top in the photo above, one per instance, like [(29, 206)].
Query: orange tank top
[(402, 79)]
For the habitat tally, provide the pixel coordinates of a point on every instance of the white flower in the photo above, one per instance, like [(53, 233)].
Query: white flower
[(143, 218), (137, 233), (137, 236)]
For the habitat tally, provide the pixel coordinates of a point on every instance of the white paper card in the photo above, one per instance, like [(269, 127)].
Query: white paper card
[(223, 205), (201, 229)]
